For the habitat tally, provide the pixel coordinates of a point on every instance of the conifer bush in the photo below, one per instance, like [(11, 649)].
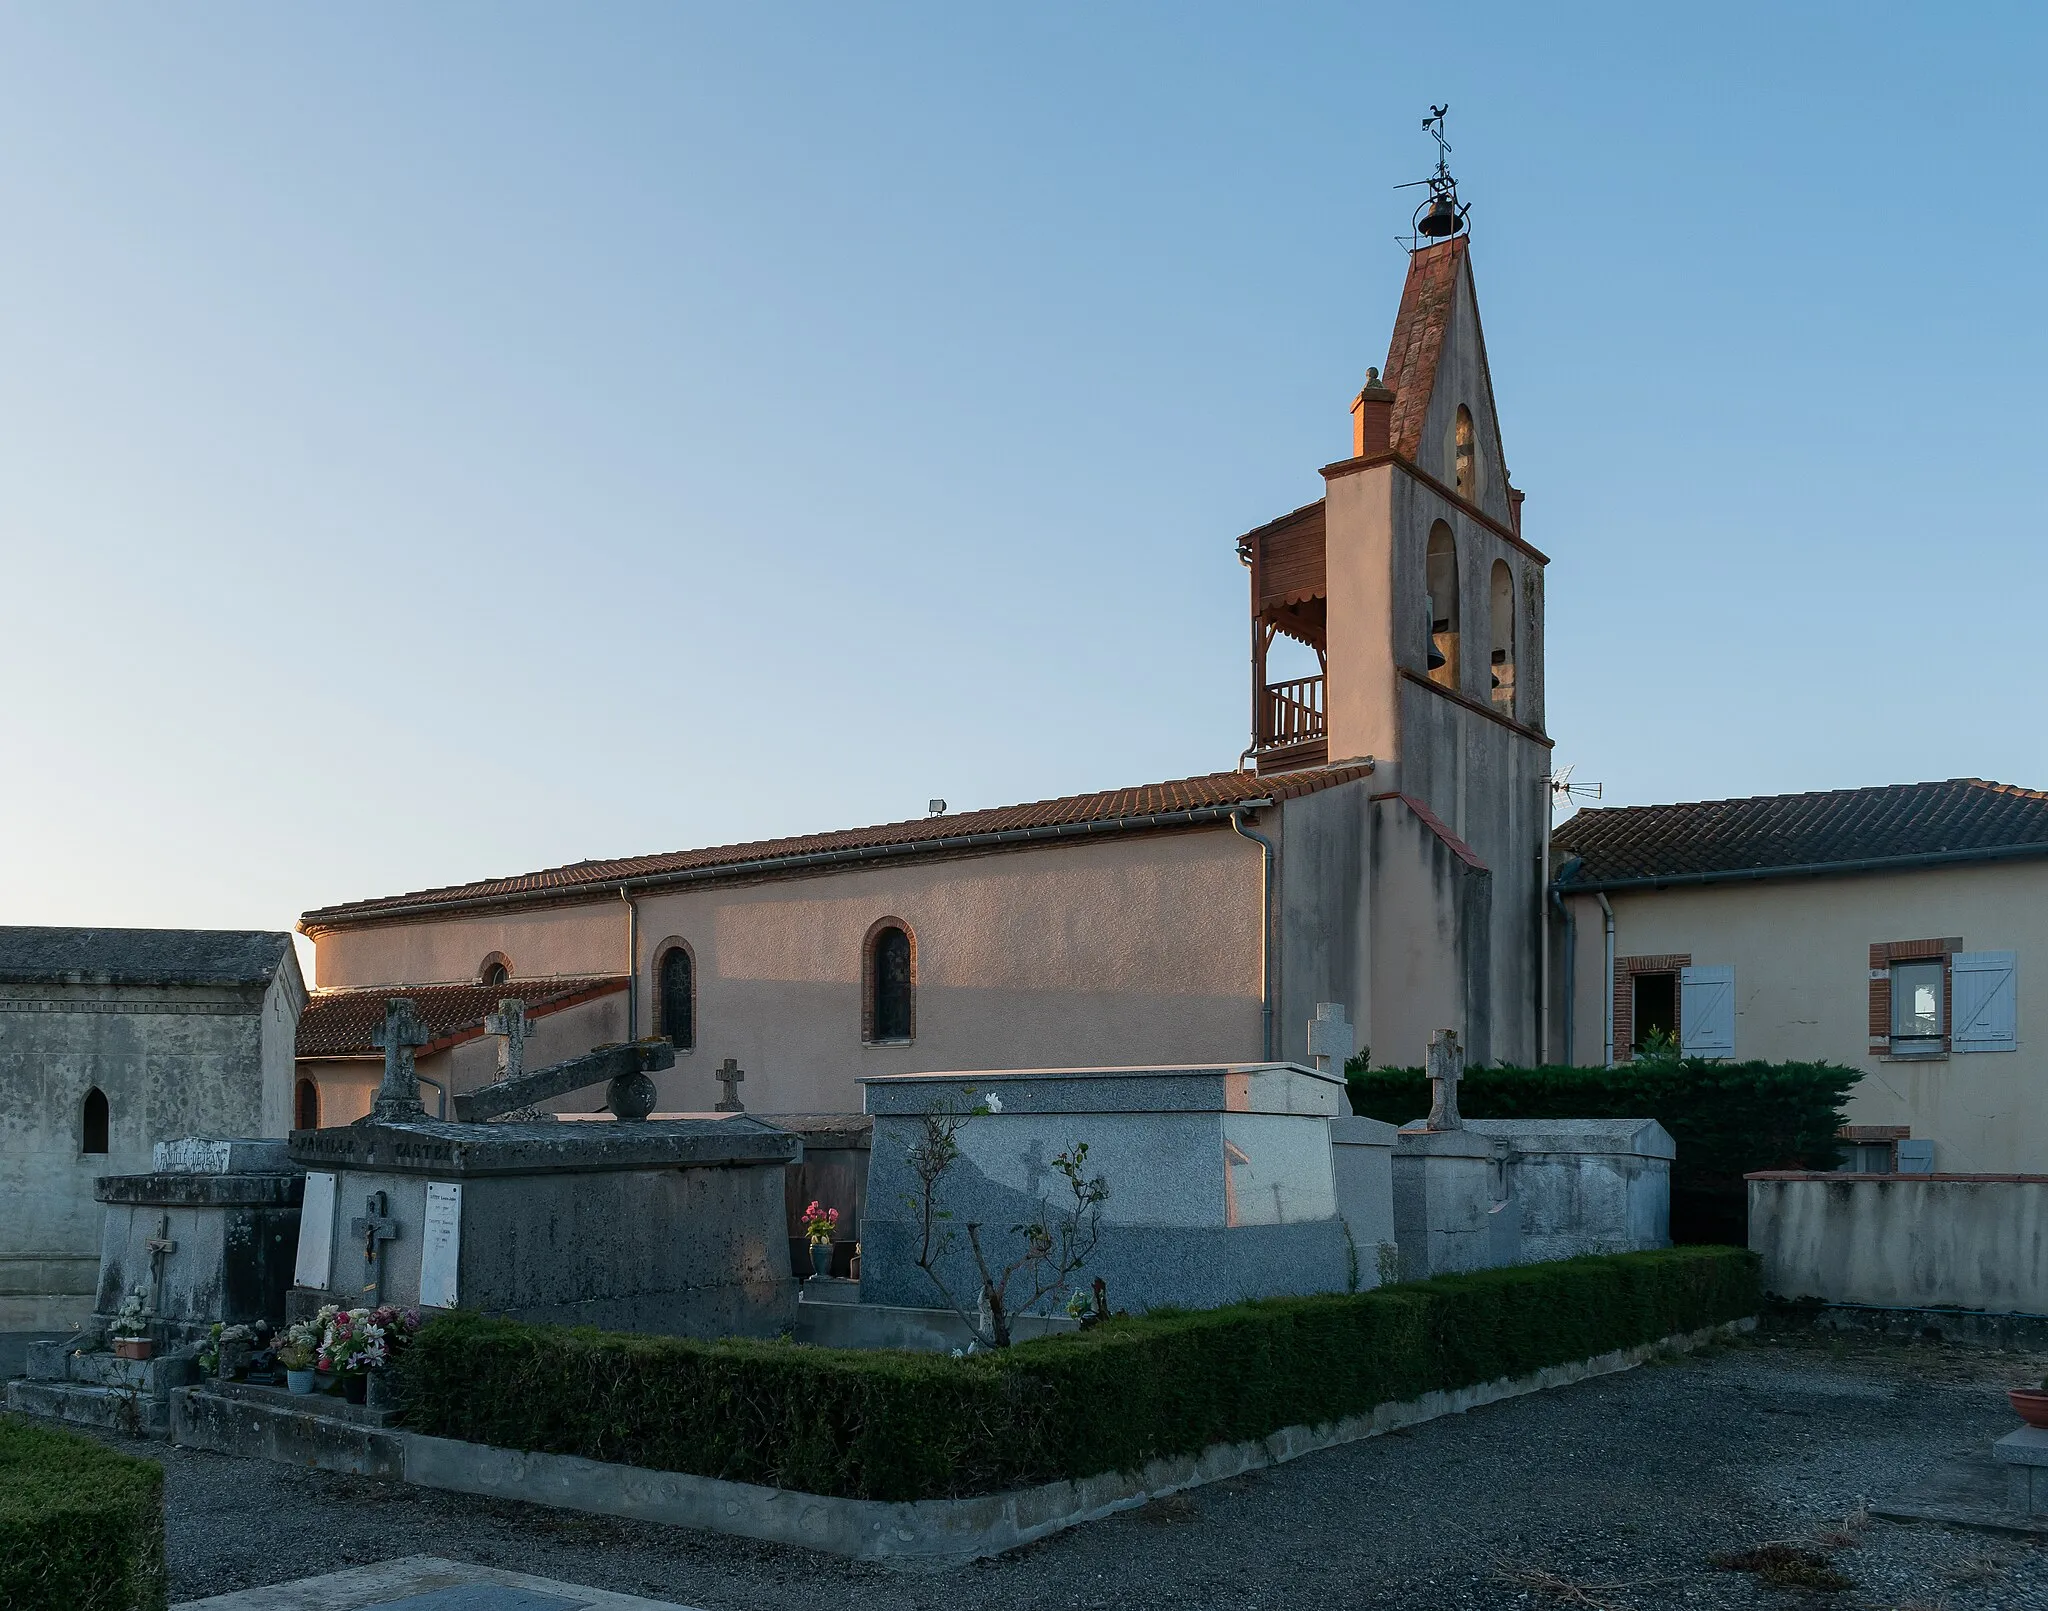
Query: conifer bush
[(903, 1426), (1727, 1118), (81, 1526)]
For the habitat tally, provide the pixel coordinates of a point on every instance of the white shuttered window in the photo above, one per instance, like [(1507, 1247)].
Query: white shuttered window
[(1986, 989), (1706, 1012)]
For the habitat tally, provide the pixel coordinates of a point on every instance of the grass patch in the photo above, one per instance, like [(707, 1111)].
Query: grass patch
[(1786, 1566)]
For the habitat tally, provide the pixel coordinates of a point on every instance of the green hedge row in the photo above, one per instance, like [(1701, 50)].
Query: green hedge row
[(81, 1527), (917, 1426), (1727, 1118)]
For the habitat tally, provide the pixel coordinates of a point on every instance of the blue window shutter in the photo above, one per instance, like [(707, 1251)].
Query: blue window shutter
[(1706, 1012), (1985, 986)]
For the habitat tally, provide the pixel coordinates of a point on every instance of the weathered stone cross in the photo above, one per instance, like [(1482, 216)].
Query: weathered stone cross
[(729, 1074), (1330, 1036), (1446, 1068), (398, 1098), (508, 1023), (375, 1226), (160, 1247)]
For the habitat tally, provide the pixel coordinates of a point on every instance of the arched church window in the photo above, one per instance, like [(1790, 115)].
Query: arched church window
[(891, 983), (676, 998), (94, 1122), (1502, 686), (1443, 606), (306, 1106), (1465, 457), (494, 970)]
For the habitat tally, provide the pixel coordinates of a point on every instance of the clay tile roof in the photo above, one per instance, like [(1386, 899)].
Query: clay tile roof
[(1132, 808), (340, 1023), (141, 956), (1427, 301), (1711, 840)]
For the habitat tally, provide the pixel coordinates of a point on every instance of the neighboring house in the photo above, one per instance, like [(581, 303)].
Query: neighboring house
[(110, 1041), (340, 1064), (1893, 929), (1386, 853)]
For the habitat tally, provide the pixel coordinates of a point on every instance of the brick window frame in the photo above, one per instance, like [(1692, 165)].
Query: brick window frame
[(1882, 956), (867, 981), (1624, 988)]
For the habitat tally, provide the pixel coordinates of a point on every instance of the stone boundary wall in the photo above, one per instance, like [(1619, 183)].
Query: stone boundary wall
[(930, 1534), (1960, 1242)]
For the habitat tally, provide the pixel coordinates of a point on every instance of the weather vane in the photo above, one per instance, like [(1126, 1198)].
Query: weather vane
[(1440, 215)]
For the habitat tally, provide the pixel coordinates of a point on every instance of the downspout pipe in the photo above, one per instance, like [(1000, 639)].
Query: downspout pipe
[(1237, 819), (1607, 1010), (632, 963)]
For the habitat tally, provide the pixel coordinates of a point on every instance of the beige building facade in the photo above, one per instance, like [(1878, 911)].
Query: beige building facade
[(1898, 931), (1379, 846)]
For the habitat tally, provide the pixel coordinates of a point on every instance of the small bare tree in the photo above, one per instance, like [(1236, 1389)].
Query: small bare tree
[(1056, 1244)]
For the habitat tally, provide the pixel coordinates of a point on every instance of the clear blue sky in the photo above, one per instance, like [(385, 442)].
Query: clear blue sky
[(445, 441)]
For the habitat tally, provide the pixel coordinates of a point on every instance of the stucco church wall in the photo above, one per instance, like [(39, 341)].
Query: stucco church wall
[(1365, 586), (170, 1061), (1140, 948), (1462, 377), (1325, 939), (1429, 905), (1801, 953)]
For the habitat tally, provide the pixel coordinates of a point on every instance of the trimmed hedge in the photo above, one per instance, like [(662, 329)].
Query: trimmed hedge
[(81, 1527), (918, 1426), (1727, 1118)]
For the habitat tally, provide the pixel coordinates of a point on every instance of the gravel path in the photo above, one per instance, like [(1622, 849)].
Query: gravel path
[(1623, 1487)]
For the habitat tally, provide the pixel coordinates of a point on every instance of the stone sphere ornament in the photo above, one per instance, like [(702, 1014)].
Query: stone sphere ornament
[(630, 1096)]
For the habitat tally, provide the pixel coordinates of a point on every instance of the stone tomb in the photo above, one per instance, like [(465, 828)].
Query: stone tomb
[(1474, 1194), (672, 1226), (1221, 1179)]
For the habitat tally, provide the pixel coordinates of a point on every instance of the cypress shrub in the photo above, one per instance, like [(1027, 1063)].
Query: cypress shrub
[(895, 1426), (1727, 1118), (81, 1526)]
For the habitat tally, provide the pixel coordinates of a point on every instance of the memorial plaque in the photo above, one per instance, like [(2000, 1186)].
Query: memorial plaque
[(441, 1244), (316, 1232)]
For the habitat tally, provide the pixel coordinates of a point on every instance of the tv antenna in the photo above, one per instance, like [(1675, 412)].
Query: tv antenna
[(1440, 214), (1563, 791)]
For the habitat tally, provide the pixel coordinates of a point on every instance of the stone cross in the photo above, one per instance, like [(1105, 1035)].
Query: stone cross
[(1330, 1036), (508, 1023), (160, 1246), (729, 1074), (1446, 1068), (375, 1226), (398, 1098)]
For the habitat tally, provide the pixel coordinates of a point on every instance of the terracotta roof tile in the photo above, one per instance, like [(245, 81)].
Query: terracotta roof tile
[(1428, 300), (340, 1023), (1709, 839), (1120, 807)]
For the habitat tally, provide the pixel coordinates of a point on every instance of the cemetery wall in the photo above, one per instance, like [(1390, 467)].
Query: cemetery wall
[(1976, 1242)]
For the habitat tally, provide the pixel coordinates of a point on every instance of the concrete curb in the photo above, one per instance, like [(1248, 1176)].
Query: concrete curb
[(934, 1534)]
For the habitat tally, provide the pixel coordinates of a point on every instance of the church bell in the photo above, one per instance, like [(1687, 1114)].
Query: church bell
[(1440, 220)]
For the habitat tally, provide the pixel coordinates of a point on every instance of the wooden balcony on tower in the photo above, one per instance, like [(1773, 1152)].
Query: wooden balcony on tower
[(1290, 598)]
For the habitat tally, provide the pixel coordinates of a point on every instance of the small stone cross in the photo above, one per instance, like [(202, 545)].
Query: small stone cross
[(374, 1227), (1446, 1068), (729, 1074), (508, 1023), (160, 1246), (398, 1098), (1330, 1036)]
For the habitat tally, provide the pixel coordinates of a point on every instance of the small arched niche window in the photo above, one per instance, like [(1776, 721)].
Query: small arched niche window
[(495, 969), (1465, 456), (1443, 605), (1503, 684), (93, 1122), (675, 996), (306, 1105), (890, 1011)]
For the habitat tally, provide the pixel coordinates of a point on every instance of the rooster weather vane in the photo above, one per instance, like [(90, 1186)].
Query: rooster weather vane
[(1439, 215)]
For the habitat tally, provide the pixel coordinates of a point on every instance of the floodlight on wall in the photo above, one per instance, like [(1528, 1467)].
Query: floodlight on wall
[(936, 807)]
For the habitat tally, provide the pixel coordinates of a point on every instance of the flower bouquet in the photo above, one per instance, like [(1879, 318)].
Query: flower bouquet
[(131, 1326), (358, 1344), (820, 1226)]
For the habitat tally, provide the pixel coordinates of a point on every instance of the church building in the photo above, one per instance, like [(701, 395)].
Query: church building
[(1381, 844)]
